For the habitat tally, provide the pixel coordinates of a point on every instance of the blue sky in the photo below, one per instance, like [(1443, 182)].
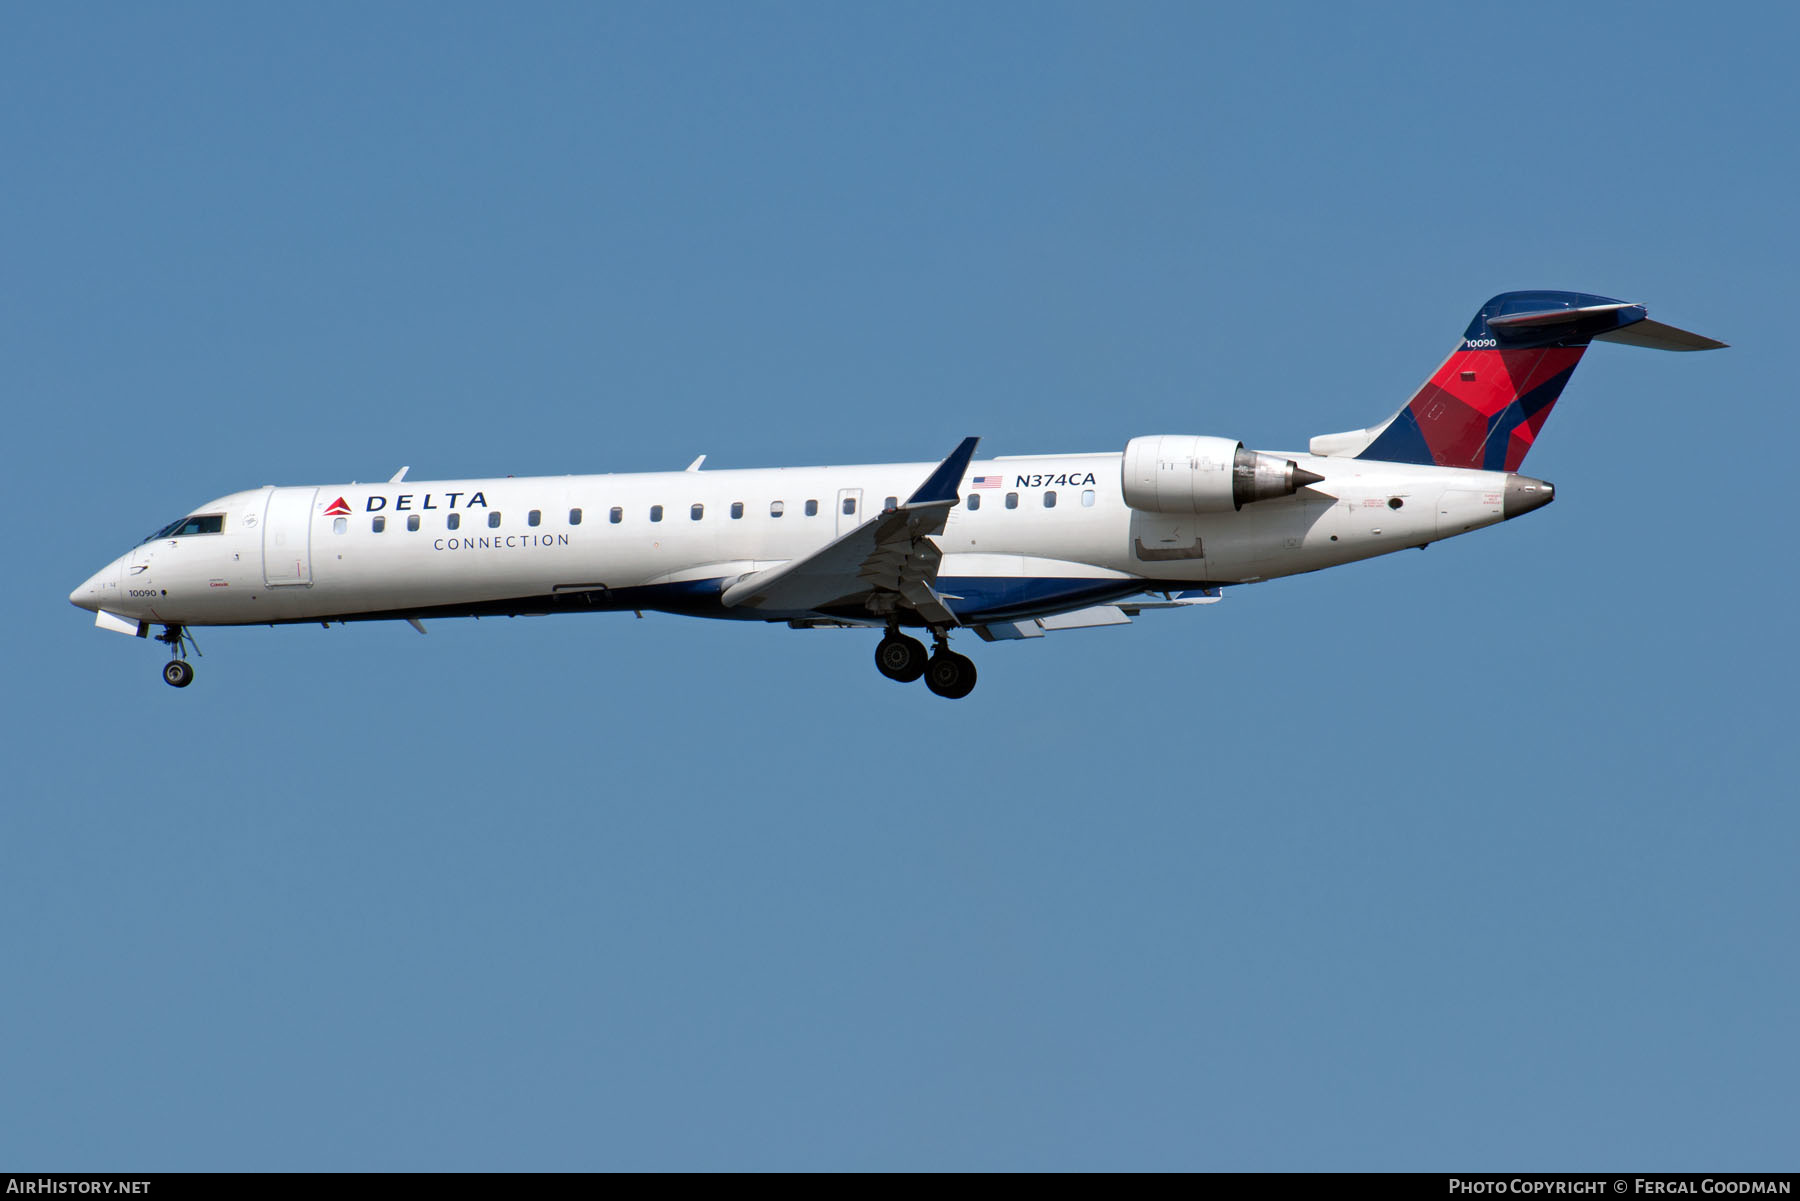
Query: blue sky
[(1480, 858)]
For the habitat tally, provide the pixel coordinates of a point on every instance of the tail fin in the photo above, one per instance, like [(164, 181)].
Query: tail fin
[(1486, 405)]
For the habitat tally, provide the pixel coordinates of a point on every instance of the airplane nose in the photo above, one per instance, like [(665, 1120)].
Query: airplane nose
[(100, 587), (87, 596)]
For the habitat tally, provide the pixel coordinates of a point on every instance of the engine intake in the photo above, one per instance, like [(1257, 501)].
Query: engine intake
[(1184, 473)]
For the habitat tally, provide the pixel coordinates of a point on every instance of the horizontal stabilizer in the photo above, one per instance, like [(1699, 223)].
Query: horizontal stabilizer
[(1543, 317), (1654, 335)]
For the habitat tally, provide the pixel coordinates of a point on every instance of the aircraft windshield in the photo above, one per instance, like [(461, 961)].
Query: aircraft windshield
[(210, 523)]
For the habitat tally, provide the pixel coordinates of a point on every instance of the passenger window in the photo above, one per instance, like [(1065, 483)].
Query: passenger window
[(616, 516), (1012, 500), (655, 512), (974, 501), (812, 508), (412, 522), (379, 524), (453, 521), (1087, 498), (892, 502), (1049, 500), (696, 513), (775, 508), (849, 506), (737, 509), (340, 525), (574, 516), (494, 520), (534, 517)]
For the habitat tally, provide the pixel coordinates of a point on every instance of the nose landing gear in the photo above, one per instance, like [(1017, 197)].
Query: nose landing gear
[(178, 672)]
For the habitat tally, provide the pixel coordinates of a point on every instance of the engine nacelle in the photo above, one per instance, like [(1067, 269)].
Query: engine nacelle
[(1185, 473)]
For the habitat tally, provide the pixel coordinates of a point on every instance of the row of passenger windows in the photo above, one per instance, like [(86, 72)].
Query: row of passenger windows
[(213, 523), (1012, 500), (453, 521), (616, 514)]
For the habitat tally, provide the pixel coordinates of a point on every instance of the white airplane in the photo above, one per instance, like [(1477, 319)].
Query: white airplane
[(1007, 548)]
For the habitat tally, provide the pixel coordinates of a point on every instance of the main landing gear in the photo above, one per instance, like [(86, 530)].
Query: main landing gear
[(900, 658), (946, 673), (177, 672)]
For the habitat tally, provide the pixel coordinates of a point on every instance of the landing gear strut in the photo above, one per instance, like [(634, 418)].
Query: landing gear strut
[(177, 672)]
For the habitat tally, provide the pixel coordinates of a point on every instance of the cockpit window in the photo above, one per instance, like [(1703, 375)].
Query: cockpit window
[(209, 523)]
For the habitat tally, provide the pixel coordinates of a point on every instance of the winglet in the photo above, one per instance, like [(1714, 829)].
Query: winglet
[(942, 484), (400, 475)]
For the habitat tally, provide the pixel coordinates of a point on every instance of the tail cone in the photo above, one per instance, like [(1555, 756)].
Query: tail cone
[(1523, 494)]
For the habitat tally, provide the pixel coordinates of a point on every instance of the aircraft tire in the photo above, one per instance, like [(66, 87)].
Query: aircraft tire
[(177, 674), (900, 658), (950, 675)]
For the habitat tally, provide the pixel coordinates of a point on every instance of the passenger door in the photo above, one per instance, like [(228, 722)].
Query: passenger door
[(287, 538)]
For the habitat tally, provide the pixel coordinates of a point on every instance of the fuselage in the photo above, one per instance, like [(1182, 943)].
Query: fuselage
[(1031, 536)]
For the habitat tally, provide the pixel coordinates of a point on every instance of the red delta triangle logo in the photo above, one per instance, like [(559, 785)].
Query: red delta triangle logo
[(337, 508)]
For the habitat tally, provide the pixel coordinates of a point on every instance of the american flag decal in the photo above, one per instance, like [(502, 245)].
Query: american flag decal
[(985, 481)]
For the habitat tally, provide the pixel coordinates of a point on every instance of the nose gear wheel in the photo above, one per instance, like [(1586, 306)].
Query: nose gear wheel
[(178, 672)]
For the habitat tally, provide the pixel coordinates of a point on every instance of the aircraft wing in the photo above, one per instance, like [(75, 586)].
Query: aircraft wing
[(886, 563)]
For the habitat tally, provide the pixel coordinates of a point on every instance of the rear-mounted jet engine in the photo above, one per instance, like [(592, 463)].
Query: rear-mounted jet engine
[(1182, 473)]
